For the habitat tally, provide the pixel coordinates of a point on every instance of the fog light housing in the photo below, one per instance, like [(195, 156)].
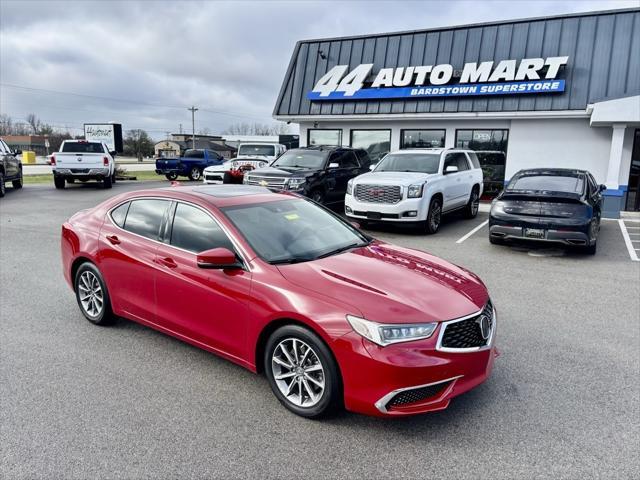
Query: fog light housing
[(411, 213), (348, 209)]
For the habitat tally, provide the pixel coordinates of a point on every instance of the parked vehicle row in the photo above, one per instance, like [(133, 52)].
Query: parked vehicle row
[(190, 165), (281, 285)]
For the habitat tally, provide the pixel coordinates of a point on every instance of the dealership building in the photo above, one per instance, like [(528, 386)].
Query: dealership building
[(560, 91)]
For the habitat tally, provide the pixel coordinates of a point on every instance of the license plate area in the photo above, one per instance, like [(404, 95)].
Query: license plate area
[(374, 215), (534, 233)]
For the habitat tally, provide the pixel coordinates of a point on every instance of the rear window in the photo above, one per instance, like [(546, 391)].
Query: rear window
[(194, 154), (550, 183), (82, 147)]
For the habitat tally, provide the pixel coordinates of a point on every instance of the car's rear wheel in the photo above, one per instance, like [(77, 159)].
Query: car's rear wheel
[(2, 186), (59, 182), (302, 372), (195, 174), (471, 209), (590, 249), (17, 183), (92, 295), (434, 217), (107, 182), (171, 176)]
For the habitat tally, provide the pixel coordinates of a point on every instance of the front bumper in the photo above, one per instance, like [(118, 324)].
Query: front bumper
[(376, 375), (566, 233), (81, 172), (407, 210)]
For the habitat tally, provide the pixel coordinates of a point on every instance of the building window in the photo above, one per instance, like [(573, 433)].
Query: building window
[(377, 143), (422, 138), (318, 136), (491, 148)]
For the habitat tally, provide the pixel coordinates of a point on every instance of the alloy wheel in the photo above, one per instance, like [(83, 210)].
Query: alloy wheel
[(298, 372), (195, 174), (475, 203), (90, 294), (434, 218)]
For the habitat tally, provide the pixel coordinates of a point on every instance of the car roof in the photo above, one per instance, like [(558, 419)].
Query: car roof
[(437, 150), (326, 147), (215, 195), (570, 172)]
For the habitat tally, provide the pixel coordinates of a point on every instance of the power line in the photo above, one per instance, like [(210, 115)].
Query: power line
[(121, 100)]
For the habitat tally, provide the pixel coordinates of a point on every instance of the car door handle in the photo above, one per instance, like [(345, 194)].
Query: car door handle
[(167, 262), (113, 239)]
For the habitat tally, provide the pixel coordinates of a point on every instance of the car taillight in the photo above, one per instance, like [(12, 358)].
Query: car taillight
[(105, 161), (52, 160)]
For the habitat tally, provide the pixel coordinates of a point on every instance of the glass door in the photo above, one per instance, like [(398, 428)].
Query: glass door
[(633, 189)]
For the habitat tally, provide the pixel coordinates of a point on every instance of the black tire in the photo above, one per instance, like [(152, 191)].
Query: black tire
[(590, 249), (317, 196), (227, 178), (331, 397), (2, 185), (195, 174), (107, 182), (434, 217), (59, 182), (495, 240), (113, 178), (105, 315), (18, 182), (471, 209), (171, 176)]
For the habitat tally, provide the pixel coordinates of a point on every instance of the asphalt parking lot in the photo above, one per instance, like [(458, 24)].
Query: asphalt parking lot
[(79, 401)]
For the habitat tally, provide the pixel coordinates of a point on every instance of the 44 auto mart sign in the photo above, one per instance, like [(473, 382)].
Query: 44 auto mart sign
[(507, 77)]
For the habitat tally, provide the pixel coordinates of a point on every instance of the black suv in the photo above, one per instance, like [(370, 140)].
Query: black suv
[(319, 172)]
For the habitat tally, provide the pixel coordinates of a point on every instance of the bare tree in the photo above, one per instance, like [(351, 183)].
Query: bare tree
[(256, 128), (34, 122), (6, 124)]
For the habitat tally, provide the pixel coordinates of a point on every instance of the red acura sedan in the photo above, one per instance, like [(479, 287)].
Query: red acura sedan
[(280, 285)]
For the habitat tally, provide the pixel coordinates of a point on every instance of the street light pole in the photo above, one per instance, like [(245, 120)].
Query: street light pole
[(193, 111)]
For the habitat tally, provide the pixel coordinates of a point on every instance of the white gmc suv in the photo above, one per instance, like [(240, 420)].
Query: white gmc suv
[(417, 185)]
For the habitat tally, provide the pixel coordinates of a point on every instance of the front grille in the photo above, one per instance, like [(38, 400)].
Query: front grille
[(378, 193), (213, 177), (271, 182), (467, 333), (416, 395)]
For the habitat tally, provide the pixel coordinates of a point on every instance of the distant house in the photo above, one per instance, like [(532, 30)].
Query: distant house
[(177, 144), (35, 143)]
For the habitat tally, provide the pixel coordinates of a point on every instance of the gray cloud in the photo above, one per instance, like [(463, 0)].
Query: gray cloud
[(221, 56)]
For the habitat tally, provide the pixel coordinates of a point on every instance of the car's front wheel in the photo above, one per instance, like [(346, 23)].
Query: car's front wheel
[(17, 183), (302, 372), (171, 176), (92, 295), (471, 209), (434, 217), (59, 182)]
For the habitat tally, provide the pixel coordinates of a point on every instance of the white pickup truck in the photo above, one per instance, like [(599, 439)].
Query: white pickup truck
[(83, 160), (417, 186)]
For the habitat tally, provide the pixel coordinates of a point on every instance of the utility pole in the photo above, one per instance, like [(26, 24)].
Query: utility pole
[(193, 111), (180, 129)]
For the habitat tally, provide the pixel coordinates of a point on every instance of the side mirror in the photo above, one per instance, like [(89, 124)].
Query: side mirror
[(334, 165), (218, 258), (602, 188), (17, 152), (450, 169), (372, 167)]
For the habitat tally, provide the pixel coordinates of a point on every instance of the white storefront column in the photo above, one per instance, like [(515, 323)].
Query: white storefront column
[(615, 156)]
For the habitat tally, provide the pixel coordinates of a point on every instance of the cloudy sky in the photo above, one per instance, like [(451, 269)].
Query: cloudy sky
[(143, 63)]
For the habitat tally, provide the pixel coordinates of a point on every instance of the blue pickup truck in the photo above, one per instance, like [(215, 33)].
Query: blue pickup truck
[(190, 165)]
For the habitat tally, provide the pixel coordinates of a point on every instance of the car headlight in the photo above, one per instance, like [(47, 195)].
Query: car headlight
[(415, 191), (295, 183), (350, 187), (385, 335)]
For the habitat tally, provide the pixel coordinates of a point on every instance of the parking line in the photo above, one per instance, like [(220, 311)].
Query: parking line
[(462, 239), (627, 241)]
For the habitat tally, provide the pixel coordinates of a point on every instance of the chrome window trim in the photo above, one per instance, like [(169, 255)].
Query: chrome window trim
[(381, 404), (238, 249), (443, 327)]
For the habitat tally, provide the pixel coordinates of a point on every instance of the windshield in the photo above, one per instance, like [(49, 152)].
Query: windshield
[(82, 147), (550, 183), (267, 150), (301, 158), (293, 230), (410, 162)]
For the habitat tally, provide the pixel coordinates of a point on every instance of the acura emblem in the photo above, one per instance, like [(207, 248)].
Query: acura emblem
[(485, 326)]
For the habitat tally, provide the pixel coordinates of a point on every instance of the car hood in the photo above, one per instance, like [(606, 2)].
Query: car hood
[(390, 284), (393, 178), (284, 172)]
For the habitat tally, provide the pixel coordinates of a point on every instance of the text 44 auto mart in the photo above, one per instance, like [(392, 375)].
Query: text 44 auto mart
[(559, 91)]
